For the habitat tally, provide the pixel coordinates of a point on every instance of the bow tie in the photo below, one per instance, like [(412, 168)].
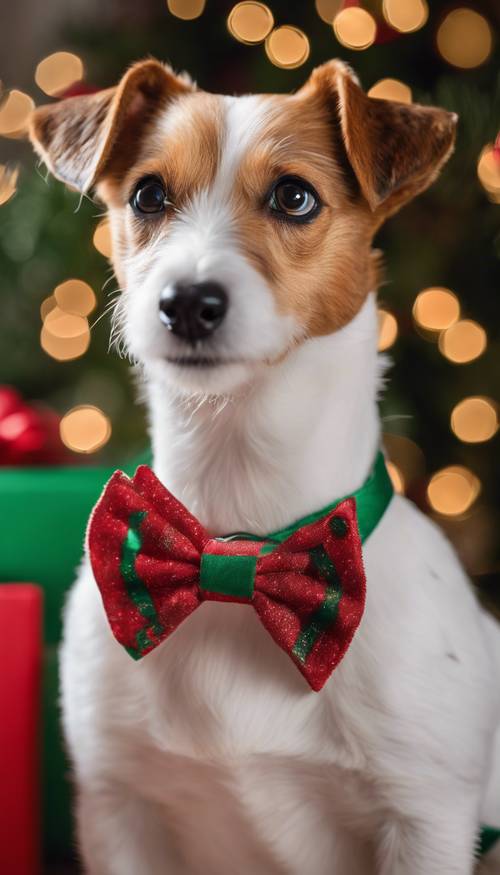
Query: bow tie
[(155, 564)]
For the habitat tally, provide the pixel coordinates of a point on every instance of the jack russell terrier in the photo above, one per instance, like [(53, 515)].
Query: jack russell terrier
[(242, 241)]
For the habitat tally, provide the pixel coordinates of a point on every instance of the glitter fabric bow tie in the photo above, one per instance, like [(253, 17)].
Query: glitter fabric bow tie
[(155, 564)]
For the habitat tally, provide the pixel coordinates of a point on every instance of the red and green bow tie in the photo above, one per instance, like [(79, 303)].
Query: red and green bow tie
[(155, 564)]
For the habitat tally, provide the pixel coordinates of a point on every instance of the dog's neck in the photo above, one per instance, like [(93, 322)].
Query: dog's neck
[(303, 435)]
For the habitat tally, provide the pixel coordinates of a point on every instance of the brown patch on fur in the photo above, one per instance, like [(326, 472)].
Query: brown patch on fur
[(83, 138), (319, 271)]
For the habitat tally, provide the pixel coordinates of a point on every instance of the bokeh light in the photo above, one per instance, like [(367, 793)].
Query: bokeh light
[(463, 342), (8, 183), (452, 491), (102, 238), (57, 72), (406, 455), (387, 329), (405, 15), (250, 22), (46, 306), (186, 9), (475, 420), (85, 429), (15, 112), (436, 309), (64, 349), (75, 296), (464, 38), (287, 47), (396, 476), (327, 9), (488, 170), (391, 89), (355, 28)]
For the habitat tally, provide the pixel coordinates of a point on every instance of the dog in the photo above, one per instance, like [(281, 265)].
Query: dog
[(242, 242)]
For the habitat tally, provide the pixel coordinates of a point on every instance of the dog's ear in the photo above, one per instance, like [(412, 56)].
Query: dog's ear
[(83, 139), (395, 150)]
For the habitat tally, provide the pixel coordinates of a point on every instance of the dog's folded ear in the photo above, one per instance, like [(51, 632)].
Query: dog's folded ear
[(395, 150), (82, 139)]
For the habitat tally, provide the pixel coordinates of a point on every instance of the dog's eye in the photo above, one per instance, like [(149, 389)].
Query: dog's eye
[(149, 196), (294, 199)]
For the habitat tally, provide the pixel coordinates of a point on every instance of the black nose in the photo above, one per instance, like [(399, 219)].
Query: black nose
[(193, 310)]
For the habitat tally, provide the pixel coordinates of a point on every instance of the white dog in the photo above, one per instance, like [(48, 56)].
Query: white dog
[(242, 232)]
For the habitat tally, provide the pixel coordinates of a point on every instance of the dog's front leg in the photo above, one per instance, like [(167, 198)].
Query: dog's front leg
[(443, 844), (121, 834)]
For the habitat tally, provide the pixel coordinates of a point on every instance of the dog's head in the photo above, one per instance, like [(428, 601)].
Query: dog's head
[(241, 225)]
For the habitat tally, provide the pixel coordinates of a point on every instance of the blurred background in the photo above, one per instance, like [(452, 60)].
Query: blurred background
[(64, 401)]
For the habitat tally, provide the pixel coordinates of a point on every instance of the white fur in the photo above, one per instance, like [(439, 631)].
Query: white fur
[(212, 755)]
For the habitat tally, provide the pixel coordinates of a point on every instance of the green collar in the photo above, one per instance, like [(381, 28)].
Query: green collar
[(372, 500)]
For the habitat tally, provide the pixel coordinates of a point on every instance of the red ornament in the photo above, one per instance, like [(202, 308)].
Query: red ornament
[(29, 434)]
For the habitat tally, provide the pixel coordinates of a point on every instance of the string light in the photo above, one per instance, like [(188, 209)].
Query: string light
[(463, 342), (102, 238), (396, 476), (436, 309), (406, 16), (327, 9), (8, 183), (488, 170), (85, 429), (287, 47), (464, 38), (453, 490), (387, 330), (250, 22), (186, 9), (391, 89), (15, 112), (355, 28), (57, 72), (75, 296), (475, 420)]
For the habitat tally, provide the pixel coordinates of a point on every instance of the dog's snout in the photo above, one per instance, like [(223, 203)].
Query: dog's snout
[(193, 310)]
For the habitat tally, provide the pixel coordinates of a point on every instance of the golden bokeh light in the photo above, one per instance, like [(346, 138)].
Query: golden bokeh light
[(85, 429), (57, 72), (186, 9), (355, 28), (15, 112), (464, 38), (488, 170), (250, 22), (65, 325), (64, 349), (46, 306), (436, 309), (475, 420), (391, 89), (406, 455), (327, 9), (75, 296), (8, 183), (396, 476), (405, 15), (387, 329), (102, 238), (453, 490), (463, 342), (287, 47)]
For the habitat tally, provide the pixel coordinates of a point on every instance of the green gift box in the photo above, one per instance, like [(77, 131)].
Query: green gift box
[(44, 518)]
